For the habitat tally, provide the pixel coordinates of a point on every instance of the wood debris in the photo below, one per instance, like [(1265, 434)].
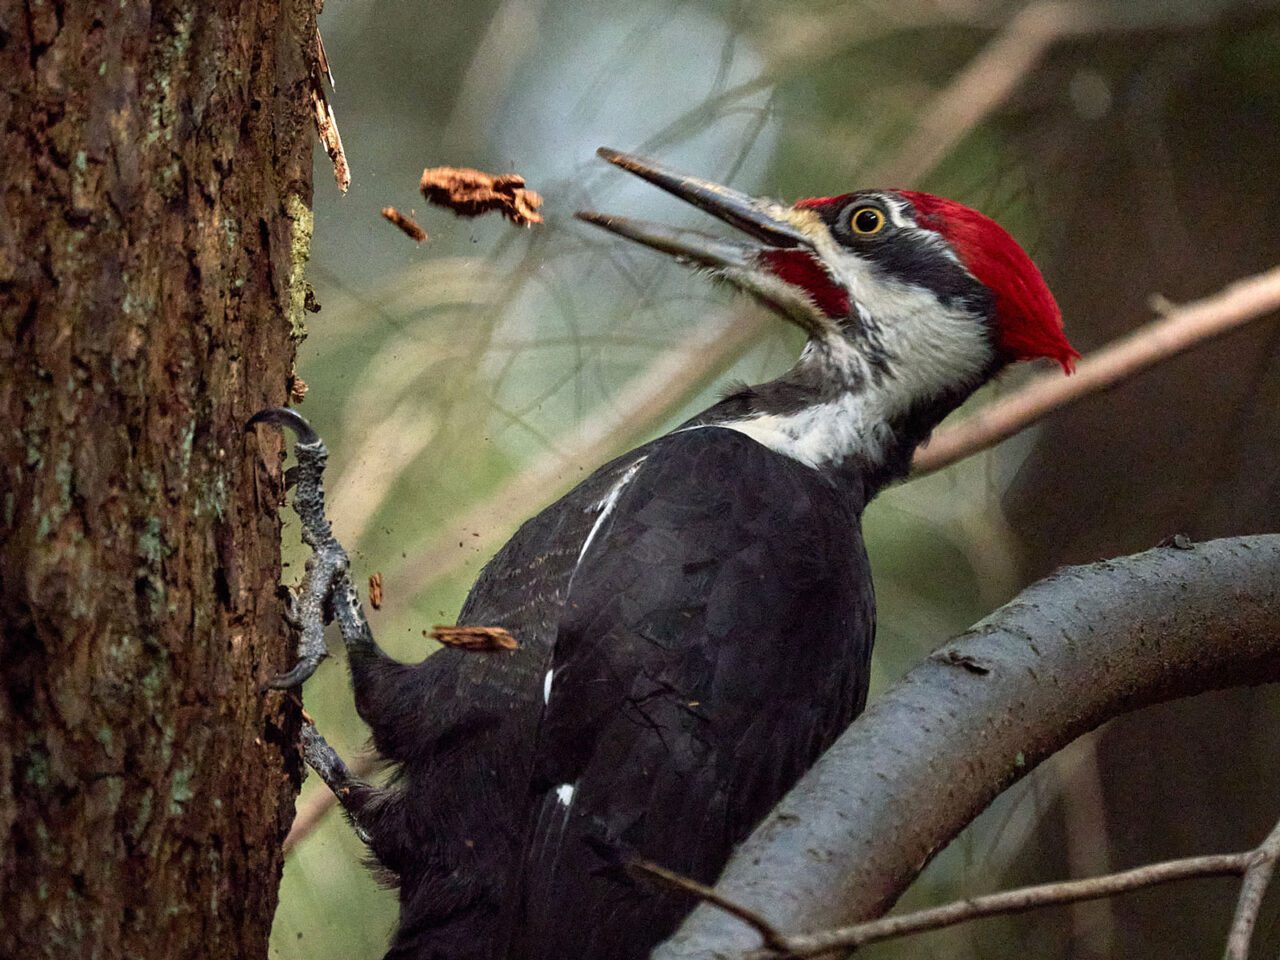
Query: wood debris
[(326, 122), (322, 59), (375, 591), (297, 388), (407, 225), (327, 128), (470, 193), (474, 638)]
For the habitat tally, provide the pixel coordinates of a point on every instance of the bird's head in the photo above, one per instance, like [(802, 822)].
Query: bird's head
[(889, 283)]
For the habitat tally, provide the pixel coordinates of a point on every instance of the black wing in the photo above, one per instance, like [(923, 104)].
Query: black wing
[(715, 638)]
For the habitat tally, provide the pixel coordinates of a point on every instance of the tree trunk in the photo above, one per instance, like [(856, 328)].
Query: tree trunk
[(156, 192)]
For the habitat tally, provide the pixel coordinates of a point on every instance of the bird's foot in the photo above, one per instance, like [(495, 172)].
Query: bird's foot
[(326, 587), (351, 792)]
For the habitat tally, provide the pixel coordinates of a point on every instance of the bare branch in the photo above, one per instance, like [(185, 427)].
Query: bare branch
[(1182, 329), (986, 82), (1083, 646), (774, 941), (648, 397), (1009, 901), (1262, 863)]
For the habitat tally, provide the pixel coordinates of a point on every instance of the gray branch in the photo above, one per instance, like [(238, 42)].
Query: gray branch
[(1066, 655)]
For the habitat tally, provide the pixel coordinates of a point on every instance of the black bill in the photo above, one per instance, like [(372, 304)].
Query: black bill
[(759, 217)]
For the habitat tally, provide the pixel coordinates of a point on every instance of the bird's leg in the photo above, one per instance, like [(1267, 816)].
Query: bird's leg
[(326, 587), (351, 792), (326, 593)]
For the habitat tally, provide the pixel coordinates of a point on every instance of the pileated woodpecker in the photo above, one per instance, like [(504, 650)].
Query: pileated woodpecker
[(695, 619)]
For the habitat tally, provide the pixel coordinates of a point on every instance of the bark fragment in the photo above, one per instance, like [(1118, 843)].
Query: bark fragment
[(471, 193), (475, 638), (407, 225)]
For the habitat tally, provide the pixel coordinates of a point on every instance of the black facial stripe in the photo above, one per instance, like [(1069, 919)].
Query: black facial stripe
[(907, 256)]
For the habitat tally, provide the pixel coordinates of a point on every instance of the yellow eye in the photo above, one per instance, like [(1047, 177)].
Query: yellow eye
[(866, 221)]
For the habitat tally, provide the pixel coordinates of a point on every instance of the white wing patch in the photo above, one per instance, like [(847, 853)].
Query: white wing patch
[(607, 504), (546, 686), (564, 793)]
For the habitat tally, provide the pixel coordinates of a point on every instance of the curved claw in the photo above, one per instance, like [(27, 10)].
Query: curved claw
[(300, 674), (284, 417)]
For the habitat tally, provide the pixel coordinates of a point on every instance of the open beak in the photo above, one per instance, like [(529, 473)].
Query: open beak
[(765, 220)]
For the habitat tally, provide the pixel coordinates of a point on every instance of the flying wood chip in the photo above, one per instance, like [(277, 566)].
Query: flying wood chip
[(407, 224), (475, 638), (470, 193), (375, 591)]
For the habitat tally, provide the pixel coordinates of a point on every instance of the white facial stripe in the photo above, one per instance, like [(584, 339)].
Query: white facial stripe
[(930, 349), (897, 213)]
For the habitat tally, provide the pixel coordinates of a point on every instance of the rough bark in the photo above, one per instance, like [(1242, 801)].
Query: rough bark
[(1067, 654), (155, 195)]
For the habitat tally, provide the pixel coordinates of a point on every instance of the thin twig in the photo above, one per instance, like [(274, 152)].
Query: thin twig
[(1009, 901), (1256, 865), (773, 939), (1257, 877), (1183, 328), (647, 398)]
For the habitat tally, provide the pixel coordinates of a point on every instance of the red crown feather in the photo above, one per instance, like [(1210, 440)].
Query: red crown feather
[(1028, 321)]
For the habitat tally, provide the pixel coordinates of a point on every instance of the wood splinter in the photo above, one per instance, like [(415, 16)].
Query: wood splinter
[(474, 638), (407, 225)]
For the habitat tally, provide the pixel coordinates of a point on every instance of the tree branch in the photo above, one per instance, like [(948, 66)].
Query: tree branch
[(1069, 653), (986, 82), (1005, 902), (1255, 865), (1257, 877), (1181, 329)]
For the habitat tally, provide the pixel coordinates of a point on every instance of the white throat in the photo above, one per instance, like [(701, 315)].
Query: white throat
[(914, 352)]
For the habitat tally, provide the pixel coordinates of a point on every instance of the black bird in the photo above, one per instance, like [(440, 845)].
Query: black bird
[(695, 620)]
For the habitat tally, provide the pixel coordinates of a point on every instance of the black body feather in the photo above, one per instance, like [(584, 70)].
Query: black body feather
[(709, 642)]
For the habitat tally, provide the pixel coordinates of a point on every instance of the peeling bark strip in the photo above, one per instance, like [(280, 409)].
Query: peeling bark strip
[(155, 222), (1067, 654)]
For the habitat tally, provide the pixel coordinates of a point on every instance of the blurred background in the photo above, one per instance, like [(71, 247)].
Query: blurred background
[(465, 383)]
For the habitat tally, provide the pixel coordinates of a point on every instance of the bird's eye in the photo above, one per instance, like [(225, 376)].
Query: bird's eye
[(866, 221)]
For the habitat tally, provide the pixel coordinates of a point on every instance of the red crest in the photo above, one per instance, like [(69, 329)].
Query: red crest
[(1028, 321)]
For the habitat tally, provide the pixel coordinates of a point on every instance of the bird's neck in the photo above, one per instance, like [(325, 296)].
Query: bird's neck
[(846, 412)]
